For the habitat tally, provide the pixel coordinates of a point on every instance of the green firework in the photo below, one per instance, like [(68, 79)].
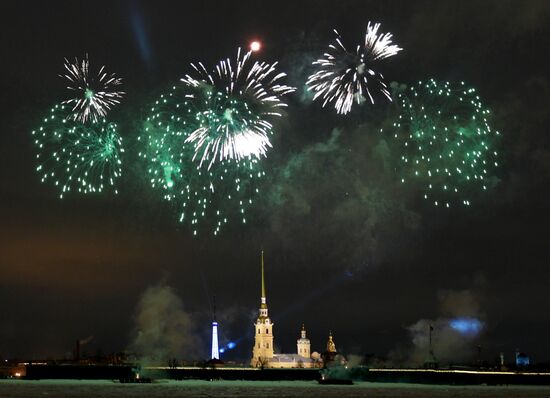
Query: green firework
[(77, 156), (205, 198), (448, 146)]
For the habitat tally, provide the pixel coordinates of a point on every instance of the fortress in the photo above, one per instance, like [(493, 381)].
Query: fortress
[(263, 354)]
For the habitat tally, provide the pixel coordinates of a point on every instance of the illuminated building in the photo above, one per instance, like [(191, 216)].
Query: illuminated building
[(303, 344), (522, 359), (263, 354), (330, 354)]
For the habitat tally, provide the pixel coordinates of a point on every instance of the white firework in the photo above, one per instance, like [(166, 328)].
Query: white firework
[(234, 104), (95, 94), (344, 76)]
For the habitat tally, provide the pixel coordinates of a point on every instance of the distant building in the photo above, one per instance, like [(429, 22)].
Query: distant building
[(303, 344), (330, 354), (262, 352), (302, 359), (522, 359), (331, 347)]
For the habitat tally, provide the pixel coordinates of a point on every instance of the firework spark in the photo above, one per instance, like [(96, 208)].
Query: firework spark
[(343, 76), (95, 94), (78, 156), (255, 46), (234, 106), (448, 146)]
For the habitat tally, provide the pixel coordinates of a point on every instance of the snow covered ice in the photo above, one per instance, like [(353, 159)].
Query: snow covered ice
[(264, 389)]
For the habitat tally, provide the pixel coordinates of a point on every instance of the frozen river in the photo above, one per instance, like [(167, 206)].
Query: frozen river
[(263, 389)]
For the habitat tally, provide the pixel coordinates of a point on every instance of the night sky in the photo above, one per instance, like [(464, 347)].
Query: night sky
[(347, 247)]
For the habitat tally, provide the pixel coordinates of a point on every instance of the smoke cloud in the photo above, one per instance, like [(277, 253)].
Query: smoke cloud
[(454, 333), (164, 330), (341, 186)]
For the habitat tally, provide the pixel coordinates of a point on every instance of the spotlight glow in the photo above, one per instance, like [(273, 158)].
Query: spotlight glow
[(468, 326)]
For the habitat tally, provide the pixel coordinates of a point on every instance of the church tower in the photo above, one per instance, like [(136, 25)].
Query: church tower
[(303, 344), (331, 347), (263, 334), (330, 354)]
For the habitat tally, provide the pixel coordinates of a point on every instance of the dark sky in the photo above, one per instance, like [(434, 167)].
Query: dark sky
[(347, 248)]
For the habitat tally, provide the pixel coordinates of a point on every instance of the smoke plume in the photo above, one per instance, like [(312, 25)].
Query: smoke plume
[(454, 333), (164, 330), (341, 186)]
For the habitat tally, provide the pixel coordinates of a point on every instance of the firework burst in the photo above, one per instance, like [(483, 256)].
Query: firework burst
[(203, 198), (75, 156), (343, 76), (94, 94), (233, 108), (448, 146)]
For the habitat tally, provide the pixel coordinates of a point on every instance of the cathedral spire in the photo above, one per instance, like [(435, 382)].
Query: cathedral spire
[(263, 283), (262, 352), (263, 303)]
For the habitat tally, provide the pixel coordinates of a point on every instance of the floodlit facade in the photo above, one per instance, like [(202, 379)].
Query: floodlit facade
[(262, 352), (303, 345)]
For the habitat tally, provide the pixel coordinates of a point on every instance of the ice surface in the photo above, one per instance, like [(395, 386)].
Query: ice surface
[(256, 389)]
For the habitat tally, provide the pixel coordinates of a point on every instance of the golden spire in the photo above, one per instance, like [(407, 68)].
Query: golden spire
[(263, 283), (263, 305)]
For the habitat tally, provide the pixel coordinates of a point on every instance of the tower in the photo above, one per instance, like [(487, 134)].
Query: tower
[(215, 350), (263, 333), (330, 354), (331, 347), (431, 361), (303, 344)]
